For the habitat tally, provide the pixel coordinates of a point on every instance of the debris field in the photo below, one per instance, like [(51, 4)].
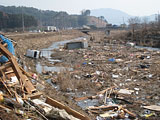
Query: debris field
[(105, 80)]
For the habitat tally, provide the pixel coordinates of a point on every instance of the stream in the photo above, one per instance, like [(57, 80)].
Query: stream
[(47, 52), (148, 48)]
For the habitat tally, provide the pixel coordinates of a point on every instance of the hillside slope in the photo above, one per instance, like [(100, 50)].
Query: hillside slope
[(53, 18), (111, 15), (118, 17)]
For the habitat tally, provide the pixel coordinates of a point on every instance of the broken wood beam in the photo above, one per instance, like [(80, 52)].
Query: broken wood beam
[(3, 107), (84, 98), (8, 72), (26, 73), (34, 95), (36, 110), (70, 111), (7, 65), (103, 91), (22, 79), (130, 113), (103, 107), (2, 80)]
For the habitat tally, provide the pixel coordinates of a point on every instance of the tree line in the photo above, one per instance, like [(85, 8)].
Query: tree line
[(10, 21), (48, 17), (135, 23)]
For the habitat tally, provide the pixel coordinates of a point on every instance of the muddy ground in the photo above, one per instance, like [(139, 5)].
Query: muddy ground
[(105, 63), (37, 41)]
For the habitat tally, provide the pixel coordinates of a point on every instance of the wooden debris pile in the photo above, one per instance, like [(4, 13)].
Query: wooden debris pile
[(17, 95), (109, 109)]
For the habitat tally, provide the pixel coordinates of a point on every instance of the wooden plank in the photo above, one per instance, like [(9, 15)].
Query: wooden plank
[(152, 107), (36, 110), (103, 91), (2, 80), (130, 113), (18, 73), (4, 51), (25, 82), (7, 65), (1, 55), (84, 98), (28, 85), (13, 61), (22, 79), (5, 45), (3, 107), (34, 95), (26, 73), (103, 107), (70, 111), (8, 72), (10, 75)]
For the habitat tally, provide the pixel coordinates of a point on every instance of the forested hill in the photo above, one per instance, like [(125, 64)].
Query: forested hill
[(10, 21), (52, 18)]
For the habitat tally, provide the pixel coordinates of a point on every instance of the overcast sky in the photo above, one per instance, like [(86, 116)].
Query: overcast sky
[(132, 7)]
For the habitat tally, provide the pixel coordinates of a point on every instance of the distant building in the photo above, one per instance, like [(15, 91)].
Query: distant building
[(50, 28), (123, 25)]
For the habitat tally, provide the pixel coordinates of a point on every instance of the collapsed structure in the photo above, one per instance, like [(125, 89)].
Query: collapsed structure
[(17, 92)]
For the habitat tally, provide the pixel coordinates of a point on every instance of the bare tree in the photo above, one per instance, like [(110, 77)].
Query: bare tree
[(145, 23), (157, 19), (134, 23), (85, 12)]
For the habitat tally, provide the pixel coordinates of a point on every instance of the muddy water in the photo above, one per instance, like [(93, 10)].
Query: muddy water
[(86, 103), (83, 103), (148, 48), (47, 52), (57, 87), (40, 68)]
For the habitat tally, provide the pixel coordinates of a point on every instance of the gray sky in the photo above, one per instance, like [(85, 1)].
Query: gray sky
[(132, 7)]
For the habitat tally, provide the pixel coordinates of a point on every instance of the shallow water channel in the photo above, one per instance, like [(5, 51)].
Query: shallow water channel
[(148, 48), (47, 52)]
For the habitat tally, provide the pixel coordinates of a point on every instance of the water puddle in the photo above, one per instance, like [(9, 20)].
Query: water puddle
[(148, 48), (57, 87), (86, 103), (47, 52), (40, 68)]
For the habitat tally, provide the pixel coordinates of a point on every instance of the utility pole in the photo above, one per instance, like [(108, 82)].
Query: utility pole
[(41, 19), (123, 21), (158, 19), (22, 19)]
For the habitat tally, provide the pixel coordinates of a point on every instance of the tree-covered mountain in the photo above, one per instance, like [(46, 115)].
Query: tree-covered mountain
[(52, 18), (10, 21)]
